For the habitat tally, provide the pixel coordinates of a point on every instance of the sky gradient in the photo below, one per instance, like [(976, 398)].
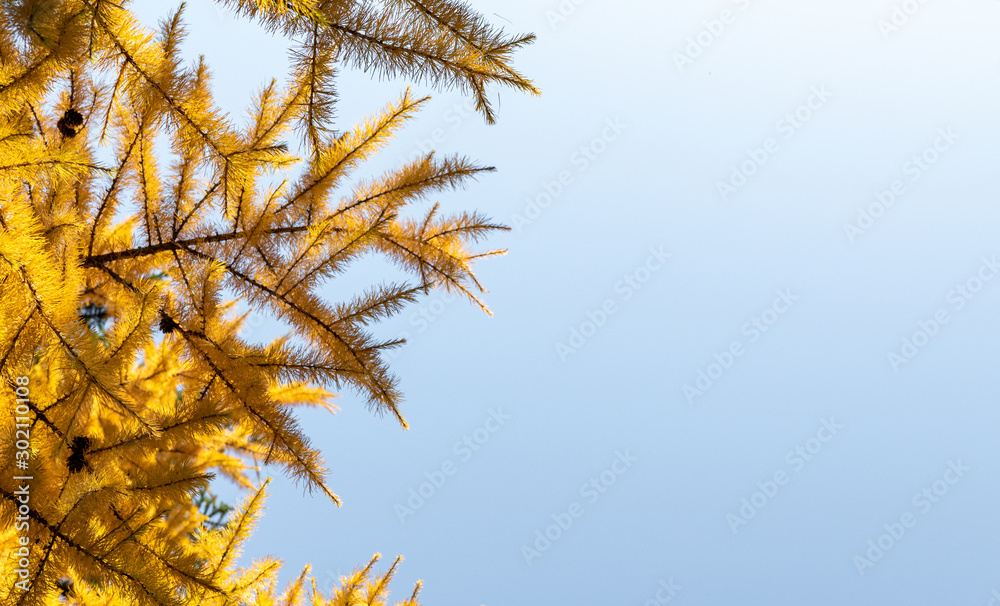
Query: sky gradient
[(810, 184)]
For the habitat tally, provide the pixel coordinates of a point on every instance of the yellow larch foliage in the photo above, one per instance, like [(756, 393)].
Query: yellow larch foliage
[(126, 383)]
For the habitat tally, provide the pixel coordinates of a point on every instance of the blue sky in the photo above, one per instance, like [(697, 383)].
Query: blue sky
[(811, 184)]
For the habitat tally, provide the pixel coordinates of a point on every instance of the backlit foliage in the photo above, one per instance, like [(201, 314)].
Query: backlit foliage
[(135, 217)]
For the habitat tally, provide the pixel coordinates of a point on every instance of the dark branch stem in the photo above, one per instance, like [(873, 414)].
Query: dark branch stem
[(98, 260)]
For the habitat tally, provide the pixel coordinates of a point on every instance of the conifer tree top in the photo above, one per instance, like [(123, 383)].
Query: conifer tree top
[(118, 261)]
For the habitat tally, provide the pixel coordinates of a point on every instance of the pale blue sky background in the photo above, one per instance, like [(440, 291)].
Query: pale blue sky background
[(655, 185)]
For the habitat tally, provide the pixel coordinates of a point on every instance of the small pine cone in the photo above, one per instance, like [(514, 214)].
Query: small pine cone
[(167, 324), (70, 122)]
